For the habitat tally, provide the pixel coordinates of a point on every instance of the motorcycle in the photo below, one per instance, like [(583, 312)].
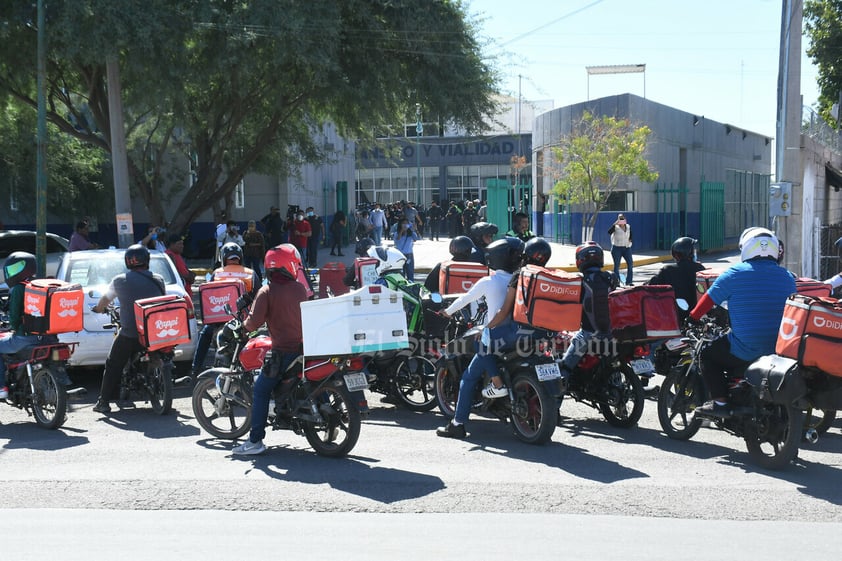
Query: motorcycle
[(772, 428), (609, 381), (322, 399), (529, 371), (148, 376)]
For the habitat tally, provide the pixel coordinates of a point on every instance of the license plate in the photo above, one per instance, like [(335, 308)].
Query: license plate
[(547, 371), (356, 381), (642, 366)]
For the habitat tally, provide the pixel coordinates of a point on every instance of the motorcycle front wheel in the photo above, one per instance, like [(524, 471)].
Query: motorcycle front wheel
[(773, 440), (218, 415), (626, 398), (49, 403), (682, 391), (534, 411), (337, 435), (159, 386), (415, 383), (447, 390)]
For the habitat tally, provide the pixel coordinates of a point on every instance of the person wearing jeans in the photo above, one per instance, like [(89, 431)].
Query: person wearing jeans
[(621, 243)]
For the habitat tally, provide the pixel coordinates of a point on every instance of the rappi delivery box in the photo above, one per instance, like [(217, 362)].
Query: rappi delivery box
[(52, 306), (548, 299), (457, 277), (162, 321), (215, 295), (643, 312), (811, 332), (365, 320)]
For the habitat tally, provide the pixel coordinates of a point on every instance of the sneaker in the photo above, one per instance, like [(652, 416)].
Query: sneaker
[(714, 409), (4, 392), (451, 431), (249, 448), (491, 392), (102, 407)]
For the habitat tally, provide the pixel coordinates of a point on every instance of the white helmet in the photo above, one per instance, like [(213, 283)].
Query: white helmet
[(758, 242), (390, 258)]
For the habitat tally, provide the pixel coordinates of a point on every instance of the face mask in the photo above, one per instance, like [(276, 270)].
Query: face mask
[(299, 217), (309, 214)]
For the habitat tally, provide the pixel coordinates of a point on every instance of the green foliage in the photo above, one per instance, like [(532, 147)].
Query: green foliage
[(242, 87), (823, 23), (595, 157)]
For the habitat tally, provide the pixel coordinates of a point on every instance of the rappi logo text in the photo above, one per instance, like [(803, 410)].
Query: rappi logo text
[(219, 300), (68, 302), (166, 324), (546, 287)]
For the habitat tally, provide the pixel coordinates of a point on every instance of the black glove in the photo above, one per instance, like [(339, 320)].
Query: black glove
[(690, 322), (244, 302)]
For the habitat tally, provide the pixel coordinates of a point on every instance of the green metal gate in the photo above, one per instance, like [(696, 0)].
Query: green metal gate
[(670, 215), (712, 215), (562, 229)]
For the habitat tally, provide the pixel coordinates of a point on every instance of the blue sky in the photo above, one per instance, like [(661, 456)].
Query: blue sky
[(717, 58)]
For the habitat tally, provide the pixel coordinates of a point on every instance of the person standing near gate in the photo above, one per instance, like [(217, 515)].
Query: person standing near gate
[(621, 243)]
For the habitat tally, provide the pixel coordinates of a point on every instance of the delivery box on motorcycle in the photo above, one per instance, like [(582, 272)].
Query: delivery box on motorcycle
[(812, 287), (548, 299), (365, 270), (214, 295), (811, 332), (704, 279), (457, 277), (643, 312), (776, 379), (52, 306), (162, 321), (365, 320)]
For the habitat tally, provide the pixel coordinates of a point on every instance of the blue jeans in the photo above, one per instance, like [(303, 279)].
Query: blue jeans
[(578, 347), (263, 388), (377, 234), (502, 337), (11, 345), (409, 267), (625, 253), (203, 344)]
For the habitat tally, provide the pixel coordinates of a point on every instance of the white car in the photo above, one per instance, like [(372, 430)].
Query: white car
[(24, 240), (94, 269)]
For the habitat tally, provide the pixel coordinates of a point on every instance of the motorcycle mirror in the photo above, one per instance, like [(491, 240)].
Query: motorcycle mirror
[(436, 298), (682, 304)]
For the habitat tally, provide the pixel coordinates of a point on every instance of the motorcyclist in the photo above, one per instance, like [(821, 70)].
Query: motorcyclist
[(681, 275), (482, 234), (756, 290), (18, 268), (231, 255), (278, 304), (504, 256), (137, 283), (596, 284), (461, 249)]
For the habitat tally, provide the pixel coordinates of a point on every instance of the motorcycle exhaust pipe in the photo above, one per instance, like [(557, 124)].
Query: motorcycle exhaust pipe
[(811, 436)]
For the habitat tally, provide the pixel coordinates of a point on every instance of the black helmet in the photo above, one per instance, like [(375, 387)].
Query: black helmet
[(461, 247), (537, 252), (136, 257), (682, 248), (480, 229), (589, 255), (504, 254), (18, 267), (231, 250), (363, 246)]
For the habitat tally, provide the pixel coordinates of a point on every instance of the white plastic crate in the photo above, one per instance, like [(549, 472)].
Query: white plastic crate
[(366, 320)]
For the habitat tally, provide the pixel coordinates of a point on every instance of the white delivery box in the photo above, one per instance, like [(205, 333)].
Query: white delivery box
[(366, 320)]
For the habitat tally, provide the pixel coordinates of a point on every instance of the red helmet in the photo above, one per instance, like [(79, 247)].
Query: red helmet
[(283, 259), (589, 255)]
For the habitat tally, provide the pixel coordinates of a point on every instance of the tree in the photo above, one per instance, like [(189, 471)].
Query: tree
[(595, 157), (823, 23), (243, 87)]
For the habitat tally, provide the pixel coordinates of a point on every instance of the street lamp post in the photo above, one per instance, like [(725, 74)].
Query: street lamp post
[(419, 130)]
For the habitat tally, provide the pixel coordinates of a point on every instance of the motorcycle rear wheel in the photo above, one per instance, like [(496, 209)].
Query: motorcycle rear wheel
[(338, 434), (49, 403), (773, 441), (415, 383), (447, 390), (682, 391), (221, 417), (159, 387), (534, 411), (627, 406)]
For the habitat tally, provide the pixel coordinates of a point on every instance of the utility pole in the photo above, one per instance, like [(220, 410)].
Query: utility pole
[(41, 159), (419, 130), (119, 160)]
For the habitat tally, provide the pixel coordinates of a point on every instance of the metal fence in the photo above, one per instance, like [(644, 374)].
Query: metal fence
[(815, 127)]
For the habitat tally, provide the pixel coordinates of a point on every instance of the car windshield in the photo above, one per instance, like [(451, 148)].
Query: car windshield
[(26, 242), (100, 269)]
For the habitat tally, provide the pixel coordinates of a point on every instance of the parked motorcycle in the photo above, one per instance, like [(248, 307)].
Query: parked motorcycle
[(148, 376), (530, 372), (321, 399), (772, 428)]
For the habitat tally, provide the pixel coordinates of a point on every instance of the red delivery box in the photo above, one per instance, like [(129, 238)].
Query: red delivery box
[(215, 295), (457, 277), (811, 332), (162, 321), (704, 279), (548, 299), (643, 312), (53, 306), (812, 287)]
